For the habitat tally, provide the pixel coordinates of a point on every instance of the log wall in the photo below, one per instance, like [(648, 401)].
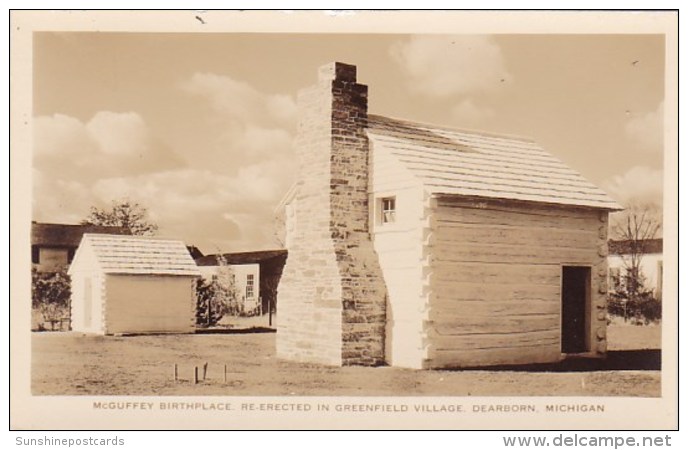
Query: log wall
[(495, 280)]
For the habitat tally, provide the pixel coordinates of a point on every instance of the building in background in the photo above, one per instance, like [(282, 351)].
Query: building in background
[(257, 275), (53, 244), (651, 263)]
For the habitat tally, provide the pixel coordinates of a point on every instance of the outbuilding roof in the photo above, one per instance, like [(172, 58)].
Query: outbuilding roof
[(138, 255), (470, 163)]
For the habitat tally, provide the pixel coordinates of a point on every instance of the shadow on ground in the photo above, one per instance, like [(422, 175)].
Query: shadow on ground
[(247, 330), (615, 360)]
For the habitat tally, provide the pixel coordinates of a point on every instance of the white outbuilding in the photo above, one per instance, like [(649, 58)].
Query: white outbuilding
[(131, 285)]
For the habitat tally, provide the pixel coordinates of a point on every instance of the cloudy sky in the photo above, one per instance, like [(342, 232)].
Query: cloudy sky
[(198, 128)]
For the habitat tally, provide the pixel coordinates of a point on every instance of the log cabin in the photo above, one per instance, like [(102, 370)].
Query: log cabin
[(422, 246)]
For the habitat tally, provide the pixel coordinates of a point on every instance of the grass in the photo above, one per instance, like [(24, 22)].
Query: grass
[(77, 364)]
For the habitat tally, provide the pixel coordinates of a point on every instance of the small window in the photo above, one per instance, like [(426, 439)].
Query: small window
[(249, 285), (389, 210)]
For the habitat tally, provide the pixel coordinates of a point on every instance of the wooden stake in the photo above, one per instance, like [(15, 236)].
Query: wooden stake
[(225, 373), (195, 374), (205, 370), (176, 373)]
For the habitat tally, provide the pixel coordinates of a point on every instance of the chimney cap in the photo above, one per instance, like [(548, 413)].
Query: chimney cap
[(337, 71)]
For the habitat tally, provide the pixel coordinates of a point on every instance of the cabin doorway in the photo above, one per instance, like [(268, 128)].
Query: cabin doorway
[(575, 309)]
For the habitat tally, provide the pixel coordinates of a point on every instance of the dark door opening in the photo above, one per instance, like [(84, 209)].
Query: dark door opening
[(575, 309)]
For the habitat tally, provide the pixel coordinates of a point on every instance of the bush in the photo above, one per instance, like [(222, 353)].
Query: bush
[(50, 296), (641, 309), (213, 301)]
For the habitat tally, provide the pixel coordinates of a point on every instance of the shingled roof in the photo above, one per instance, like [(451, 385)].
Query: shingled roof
[(63, 235), (449, 161), (138, 255)]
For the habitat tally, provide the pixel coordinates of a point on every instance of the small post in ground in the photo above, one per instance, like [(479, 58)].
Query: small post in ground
[(176, 372), (225, 372), (195, 374), (205, 370)]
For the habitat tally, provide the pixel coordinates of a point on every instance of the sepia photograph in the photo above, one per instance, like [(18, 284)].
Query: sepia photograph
[(349, 220)]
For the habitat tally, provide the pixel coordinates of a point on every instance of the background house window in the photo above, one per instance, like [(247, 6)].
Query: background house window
[(249, 285), (389, 210)]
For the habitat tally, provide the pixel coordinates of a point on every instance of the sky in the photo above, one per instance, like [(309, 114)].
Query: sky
[(198, 127)]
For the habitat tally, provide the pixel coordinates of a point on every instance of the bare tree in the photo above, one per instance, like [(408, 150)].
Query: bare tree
[(123, 213), (634, 228)]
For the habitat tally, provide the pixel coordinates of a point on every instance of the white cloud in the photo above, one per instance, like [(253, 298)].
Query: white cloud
[(467, 111), (647, 130), (109, 144), (206, 208), (71, 155), (452, 65), (61, 136), (241, 101), (219, 193), (250, 127), (121, 134), (639, 185)]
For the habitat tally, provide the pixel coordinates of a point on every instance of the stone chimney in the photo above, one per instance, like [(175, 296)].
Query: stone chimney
[(332, 295)]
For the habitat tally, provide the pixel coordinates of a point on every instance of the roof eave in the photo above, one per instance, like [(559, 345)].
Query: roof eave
[(610, 208)]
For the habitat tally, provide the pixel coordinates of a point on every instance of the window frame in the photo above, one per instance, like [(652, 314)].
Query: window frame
[(387, 216), (250, 284)]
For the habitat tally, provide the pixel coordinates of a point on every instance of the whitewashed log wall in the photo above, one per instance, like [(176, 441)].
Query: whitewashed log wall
[(495, 280)]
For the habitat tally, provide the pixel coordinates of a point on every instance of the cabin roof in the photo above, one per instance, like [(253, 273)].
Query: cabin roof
[(472, 163), (139, 255)]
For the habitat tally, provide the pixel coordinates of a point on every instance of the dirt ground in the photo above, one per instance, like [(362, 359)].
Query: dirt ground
[(67, 363)]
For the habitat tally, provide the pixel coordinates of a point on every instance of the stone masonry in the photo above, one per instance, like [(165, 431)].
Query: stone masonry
[(332, 295)]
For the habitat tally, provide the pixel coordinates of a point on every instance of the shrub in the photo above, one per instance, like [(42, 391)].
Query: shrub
[(50, 296), (214, 300), (640, 309)]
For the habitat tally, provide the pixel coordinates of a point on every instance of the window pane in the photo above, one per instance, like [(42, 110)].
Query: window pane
[(388, 207)]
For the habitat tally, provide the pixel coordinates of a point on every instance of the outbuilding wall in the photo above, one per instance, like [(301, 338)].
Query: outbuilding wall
[(149, 304), (81, 306), (87, 286)]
